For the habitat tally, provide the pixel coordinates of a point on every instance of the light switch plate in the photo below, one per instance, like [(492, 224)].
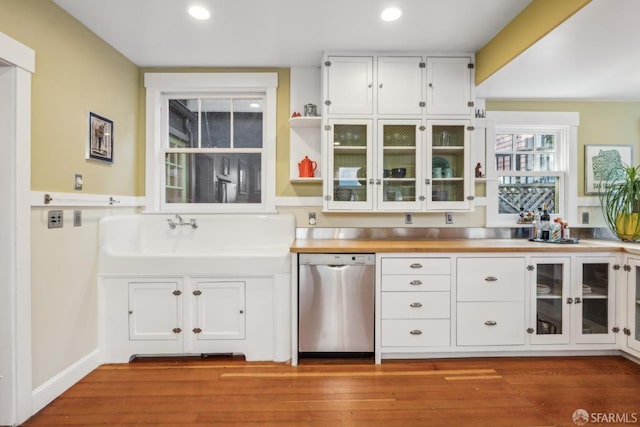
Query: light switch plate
[(77, 184)]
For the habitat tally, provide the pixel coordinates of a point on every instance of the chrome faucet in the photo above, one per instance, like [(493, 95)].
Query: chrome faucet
[(179, 221)]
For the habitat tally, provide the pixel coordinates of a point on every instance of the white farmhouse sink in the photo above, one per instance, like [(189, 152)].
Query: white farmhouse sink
[(221, 244)]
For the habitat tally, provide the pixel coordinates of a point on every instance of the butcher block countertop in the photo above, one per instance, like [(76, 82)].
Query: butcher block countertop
[(461, 245)]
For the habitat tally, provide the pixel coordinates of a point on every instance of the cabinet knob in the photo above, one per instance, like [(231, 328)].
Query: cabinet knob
[(569, 300), (176, 330), (578, 300), (380, 86)]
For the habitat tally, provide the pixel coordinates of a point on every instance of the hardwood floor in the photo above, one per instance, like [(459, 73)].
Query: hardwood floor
[(195, 392)]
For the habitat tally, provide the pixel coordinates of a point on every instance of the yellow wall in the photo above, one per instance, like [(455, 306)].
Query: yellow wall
[(76, 72)]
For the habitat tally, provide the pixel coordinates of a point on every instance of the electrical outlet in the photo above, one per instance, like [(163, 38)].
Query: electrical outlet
[(585, 217), (312, 218), (408, 218), (55, 219), (448, 217), (77, 218)]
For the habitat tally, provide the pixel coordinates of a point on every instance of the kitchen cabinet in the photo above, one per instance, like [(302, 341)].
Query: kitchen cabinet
[(220, 310), (188, 315), (550, 298), (400, 85), (450, 86), (449, 182), (348, 85), (413, 311), (155, 311), (631, 339), (305, 137), (490, 301)]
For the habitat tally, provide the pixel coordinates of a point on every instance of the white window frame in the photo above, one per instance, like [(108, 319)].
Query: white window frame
[(160, 87), (566, 123)]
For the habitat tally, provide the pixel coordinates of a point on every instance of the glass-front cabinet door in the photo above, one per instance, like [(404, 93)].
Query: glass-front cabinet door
[(398, 174), (593, 296), (550, 311), (448, 170), (632, 330), (349, 184)]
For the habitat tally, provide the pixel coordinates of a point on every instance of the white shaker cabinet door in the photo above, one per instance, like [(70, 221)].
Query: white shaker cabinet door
[(155, 310), (449, 86), (349, 85), (400, 85)]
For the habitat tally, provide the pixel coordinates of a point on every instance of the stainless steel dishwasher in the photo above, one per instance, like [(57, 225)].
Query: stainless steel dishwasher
[(336, 303)]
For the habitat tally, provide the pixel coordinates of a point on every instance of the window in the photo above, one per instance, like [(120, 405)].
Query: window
[(529, 165), (211, 142)]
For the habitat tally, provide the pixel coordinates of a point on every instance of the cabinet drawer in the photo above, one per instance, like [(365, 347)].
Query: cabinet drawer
[(491, 279), (415, 282), (415, 333), (416, 305), (416, 266), (491, 323)]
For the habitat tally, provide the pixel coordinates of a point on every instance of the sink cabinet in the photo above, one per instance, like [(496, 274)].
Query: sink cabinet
[(190, 315)]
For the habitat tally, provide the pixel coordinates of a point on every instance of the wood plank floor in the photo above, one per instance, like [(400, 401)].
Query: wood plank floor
[(195, 392)]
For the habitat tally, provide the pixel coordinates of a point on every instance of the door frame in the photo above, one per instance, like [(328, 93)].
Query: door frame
[(17, 63)]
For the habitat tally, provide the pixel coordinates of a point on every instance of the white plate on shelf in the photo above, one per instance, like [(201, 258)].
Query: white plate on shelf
[(586, 289), (543, 289)]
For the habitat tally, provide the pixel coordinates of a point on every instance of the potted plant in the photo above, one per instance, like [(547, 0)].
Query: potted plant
[(619, 202)]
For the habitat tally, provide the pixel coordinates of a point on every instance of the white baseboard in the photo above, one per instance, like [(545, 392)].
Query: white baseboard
[(57, 385)]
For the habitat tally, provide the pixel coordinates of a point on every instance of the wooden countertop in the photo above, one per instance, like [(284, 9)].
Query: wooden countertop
[(461, 245)]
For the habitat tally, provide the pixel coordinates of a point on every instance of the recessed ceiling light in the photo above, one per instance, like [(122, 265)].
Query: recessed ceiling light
[(390, 14), (199, 12)]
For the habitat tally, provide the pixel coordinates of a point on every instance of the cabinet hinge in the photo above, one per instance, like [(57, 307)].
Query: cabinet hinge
[(177, 292), (616, 267), (422, 65), (327, 63), (471, 128), (471, 198), (470, 104), (626, 331), (530, 330), (197, 292), (327, 127), (422, 128), (530, 267), (196, 330), (422, 104), (470, 66), (422, 198), (427, 181), (327, 198), (327, 102), (615, 329), (626, 268), (176, 330)]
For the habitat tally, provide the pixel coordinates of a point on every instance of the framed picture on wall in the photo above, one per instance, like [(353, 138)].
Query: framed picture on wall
[(100, 141), (599, 161)]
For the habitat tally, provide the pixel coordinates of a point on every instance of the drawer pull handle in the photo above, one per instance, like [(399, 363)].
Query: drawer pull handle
[(416, 332), (415, 305), (415, 282), (416, 265), (491, 323), (491, 279)]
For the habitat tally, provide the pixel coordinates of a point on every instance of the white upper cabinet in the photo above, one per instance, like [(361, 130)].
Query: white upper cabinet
[(348, 85), (449, 86), (400, 85)]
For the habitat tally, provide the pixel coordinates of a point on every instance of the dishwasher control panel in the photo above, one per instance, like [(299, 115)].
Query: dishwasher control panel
[(336, 259)]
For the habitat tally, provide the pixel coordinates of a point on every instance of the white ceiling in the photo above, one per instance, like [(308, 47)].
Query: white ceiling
[(592, 56)]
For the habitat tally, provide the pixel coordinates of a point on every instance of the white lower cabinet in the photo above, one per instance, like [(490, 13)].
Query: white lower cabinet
[(414, 307), (631, 327), (490, 323), (490, 301), (190, 315)]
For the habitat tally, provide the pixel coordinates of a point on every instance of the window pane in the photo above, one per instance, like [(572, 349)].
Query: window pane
[(524, 142), (545, 162), (216, 123), (524, 162), (213, 178), (503, 162), (546, 142), (529, 192), (183, 123), (504, 143), (247, 123)]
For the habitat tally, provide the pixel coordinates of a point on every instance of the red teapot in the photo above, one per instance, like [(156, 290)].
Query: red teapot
[(307, 168)]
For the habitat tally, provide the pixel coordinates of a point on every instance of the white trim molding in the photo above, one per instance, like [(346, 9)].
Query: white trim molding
[(50, 199)]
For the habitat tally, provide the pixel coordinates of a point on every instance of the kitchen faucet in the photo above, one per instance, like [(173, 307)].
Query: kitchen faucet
[(179, 221)]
